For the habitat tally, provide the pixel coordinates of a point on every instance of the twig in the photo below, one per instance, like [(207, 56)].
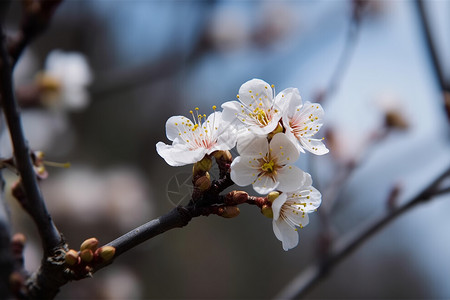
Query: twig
[(6, 260), (35, 205), (444, 85), (37, 15), (308, 279)]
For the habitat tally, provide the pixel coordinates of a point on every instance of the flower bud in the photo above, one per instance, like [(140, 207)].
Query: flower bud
[(395, 120), (223, 155), (240, 197), (267, 211), (272, 196), (71, 257), (91, 244), (202, 166), (19, 238), (17, 191), (16, 281), (203, 183), (17, 244), (106, 252), (230, 212), (87, 255)]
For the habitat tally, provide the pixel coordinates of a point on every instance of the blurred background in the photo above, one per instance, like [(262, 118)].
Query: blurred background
[(125, 67)]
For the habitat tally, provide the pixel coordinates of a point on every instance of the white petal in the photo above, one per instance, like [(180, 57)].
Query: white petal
[(315, 146), (242, 173), (256, 91), (290, 178), (292, 137), (282, 148), (231, 111), (264, 185), (223, 132), (178, 154), (286, 100), (314, 201), (285, 233), (296, 217), (173, 126), (250, 145), (276, 205), (264, 131)]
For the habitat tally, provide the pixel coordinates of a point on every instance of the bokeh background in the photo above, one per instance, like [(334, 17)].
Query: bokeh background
[(154, 59)]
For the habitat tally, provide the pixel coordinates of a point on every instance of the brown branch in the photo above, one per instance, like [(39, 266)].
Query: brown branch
[(34, 205), (37, 15), (6, 259), (430, 43), (302, 284)]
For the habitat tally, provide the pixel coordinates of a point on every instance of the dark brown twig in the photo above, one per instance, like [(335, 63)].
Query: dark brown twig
[(430, 43), (37, 15), (34, 205), (310, 277)]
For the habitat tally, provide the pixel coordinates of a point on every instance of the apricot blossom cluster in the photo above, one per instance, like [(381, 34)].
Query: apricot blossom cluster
[(270, 131)]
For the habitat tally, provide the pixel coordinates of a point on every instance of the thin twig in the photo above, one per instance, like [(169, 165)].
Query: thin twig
[(302, 284), (35, 205), (6, 260), (36, 18), (430, 43)]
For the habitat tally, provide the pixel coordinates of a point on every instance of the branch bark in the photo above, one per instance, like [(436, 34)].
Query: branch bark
[(303, 283)]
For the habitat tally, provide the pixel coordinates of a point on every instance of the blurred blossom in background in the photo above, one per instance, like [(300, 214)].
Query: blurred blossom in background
[(153, 59)]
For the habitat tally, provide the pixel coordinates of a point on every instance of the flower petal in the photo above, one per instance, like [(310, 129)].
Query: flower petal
[(223, 132), (178, 154), (276, 205), (242, 173), (250, 145), (285, 233), (295, 217), (256, 91), (283, 149), (287, 100), (256, 129), (173, 126), (290, 178), (231, 111), (264, 185), (315, 146), (314, 201)]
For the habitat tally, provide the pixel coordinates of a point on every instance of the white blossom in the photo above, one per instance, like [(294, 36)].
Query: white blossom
[(192, 140), (290, 211), (302, 122), (71, 70), (258, 109), (267, 166)]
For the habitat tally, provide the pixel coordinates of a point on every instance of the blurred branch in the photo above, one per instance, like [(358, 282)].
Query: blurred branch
[(358, 8), (42, 282), (6, 260), (36, 17), (34, 204), (309, 278), (432, 50)]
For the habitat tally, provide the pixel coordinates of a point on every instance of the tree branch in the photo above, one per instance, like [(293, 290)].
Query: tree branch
[(308, 279), (434, 56), (34, 205), (37, 15), (6, 260)]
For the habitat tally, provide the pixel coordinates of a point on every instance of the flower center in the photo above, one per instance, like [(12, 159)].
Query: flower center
[(199, 133), (268, 166), (260, 115)]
